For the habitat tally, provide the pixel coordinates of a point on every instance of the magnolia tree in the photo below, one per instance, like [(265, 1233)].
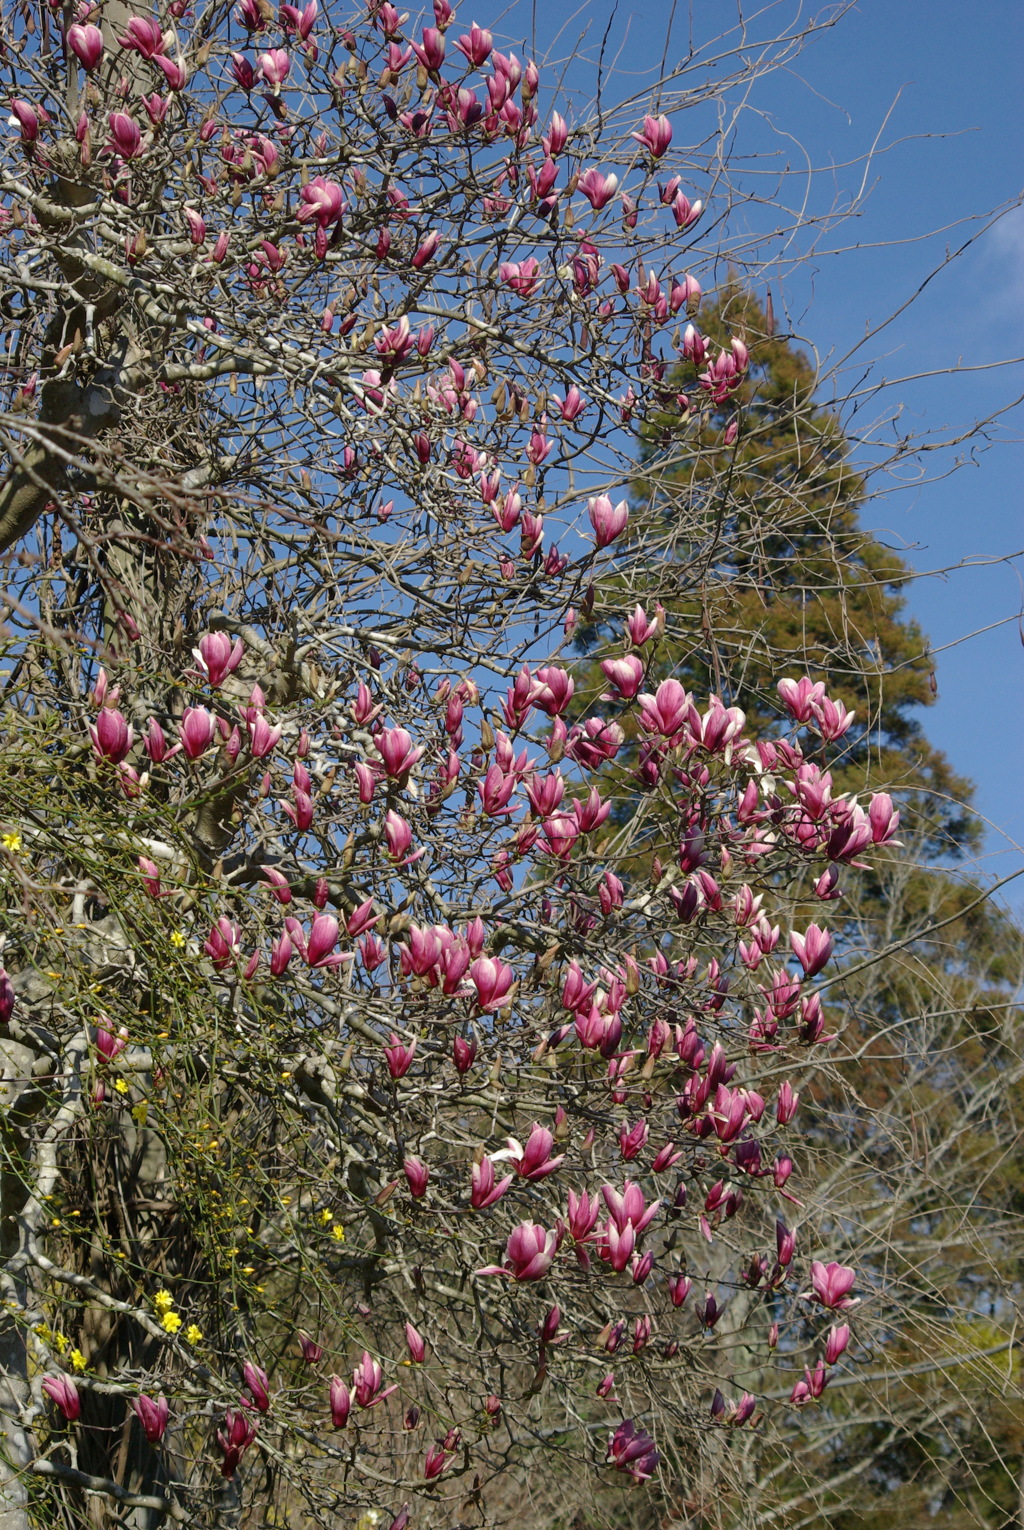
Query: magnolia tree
[(367, 1138)]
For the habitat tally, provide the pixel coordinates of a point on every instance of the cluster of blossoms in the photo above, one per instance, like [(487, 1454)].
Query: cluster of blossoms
[(652, 1050)]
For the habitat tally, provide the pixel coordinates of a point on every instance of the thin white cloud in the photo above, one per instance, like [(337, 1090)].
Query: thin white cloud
[(1002, 264)]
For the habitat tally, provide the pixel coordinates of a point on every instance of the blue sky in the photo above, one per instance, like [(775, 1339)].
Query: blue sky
[(951, 75), (936, 86)]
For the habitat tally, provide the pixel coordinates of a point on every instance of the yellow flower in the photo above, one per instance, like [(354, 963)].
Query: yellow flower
[(338, 1233), (140, 1112), (77, 1360), (60, 1344), (326, 1216), (171, 1322), (121, 1086), (193, 1334), (163, 1301), (11, 842), (177, 939)]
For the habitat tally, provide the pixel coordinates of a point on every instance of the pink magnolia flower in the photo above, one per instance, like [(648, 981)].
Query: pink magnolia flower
[(424, 253), (625, 674), (234, 1439), (785, 1243), (7, 999), (431, 51), (477, 45), (197, 731), (496, 790), (719, 727), (396, 750), (522, 277), (838, 1339), (632, 1451), (323, 937), (629, 1208), (483, 1190), (553, 689), (108, 1045), (534, 1161), (665, 1158), (724, 1411), (281, 954), (610, 893), (812, 949), (86, 43), (341, 1402), (274, 66), (323, 201), (831, 1284), (399, 1056), (557, 135), (417, 1346), (656, 136), (217, 656), (112, 737), (278, 884), (152, 1413), (800, 697), (361, 919), (125, 137), (173, 70), (221, 945), (641, 1268), (786, 1103), (597, 188), (679, 1287), (417, 1175), (311, 1351), (633, 1139), (256, 1381), (242, 71), (463, 1053), (607, 520), (28, 118), (529, 1253), (373, 952), (366, 781), (832, 718), (883, 818), (367, 1379), (618, 1245), (155, 744), (398, 835), (492, 980), (685, 294), (435, 1462), (667, 711), (582, 1216), (143, 36), (684, 211), (62, 1391), (641, 628)]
